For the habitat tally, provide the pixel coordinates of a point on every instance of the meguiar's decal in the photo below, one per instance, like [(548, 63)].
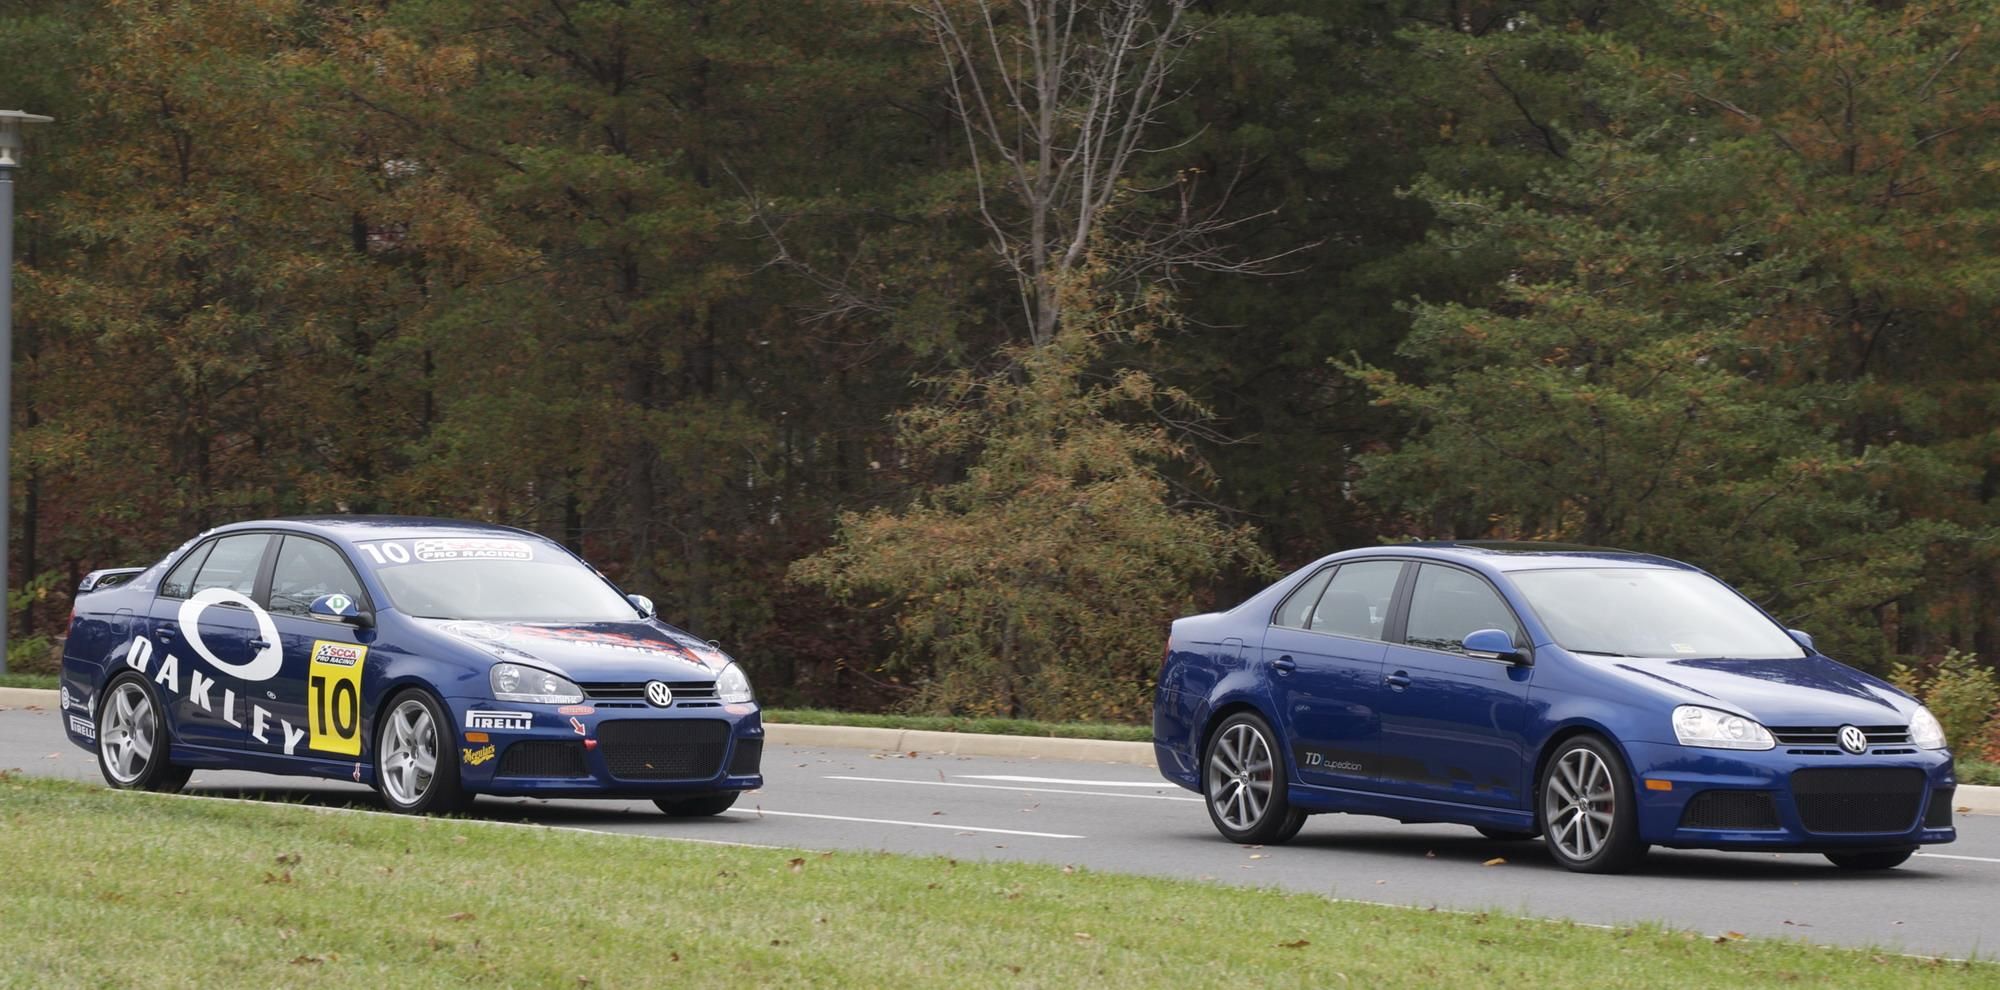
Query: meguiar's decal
[(474, 757), (333, 697)]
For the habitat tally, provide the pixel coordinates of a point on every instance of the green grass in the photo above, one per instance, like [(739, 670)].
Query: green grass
[(46, 682), (953, 723), (1971, 771), (120, 889)]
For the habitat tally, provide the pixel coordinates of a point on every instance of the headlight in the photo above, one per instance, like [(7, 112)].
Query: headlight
[(516, 682), (1698, 726), (1925, 730), (733, 687)]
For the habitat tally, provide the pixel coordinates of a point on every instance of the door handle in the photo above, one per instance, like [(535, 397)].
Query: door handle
[(1284, 664), (1398, 680), (258, 644), (165, 631)]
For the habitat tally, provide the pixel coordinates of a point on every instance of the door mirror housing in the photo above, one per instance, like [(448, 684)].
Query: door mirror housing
[(643, 604), (1803, 639), (1492, 644), (341, 608)]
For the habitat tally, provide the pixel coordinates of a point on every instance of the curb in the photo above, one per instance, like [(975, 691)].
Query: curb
[(1970, 797)]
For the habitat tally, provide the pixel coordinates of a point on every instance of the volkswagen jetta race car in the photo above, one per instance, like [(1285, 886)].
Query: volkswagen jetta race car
[(431, 659)]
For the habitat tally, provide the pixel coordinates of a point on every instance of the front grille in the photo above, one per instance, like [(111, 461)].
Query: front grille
[(1738, 810), (1858, 799), (1939, 813), (543, 758), (685, 692), (663, 749), (1829, 735), (748, 756)]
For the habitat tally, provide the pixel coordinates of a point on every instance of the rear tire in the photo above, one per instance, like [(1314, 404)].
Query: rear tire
[(133, 742), (1589, 819), (1244, 783), (1873, 859), (416, 767), (699, 806)]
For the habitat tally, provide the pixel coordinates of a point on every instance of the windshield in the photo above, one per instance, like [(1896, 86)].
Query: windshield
[(507, 580), (1648, 612)]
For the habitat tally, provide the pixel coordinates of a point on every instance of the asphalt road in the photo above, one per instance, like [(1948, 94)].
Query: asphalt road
[(1126, 819)]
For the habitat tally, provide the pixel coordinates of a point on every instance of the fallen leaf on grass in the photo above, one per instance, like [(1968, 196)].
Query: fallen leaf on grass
[(1300, 944), (673, 957), (1495, 861), (1084, 936), (303, 960), (285, 877), (797, 865), (1727, 937), (288, 859), (461, 916)]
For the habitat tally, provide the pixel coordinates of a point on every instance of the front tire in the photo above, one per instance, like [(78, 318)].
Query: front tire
[(1873, 859), (1588, 815), (699, 806), (416, 770), (1244, 784), (132, 738)]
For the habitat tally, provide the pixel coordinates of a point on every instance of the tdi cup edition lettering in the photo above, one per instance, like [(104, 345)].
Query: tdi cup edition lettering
[(1327, 761)]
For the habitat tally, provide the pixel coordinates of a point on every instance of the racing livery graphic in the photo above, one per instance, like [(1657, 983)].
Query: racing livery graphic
[(356, 647)]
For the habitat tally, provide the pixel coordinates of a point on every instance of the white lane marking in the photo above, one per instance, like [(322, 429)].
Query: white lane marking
[(1969, 859), (1032, 790), (754, 812), (1063, 780)]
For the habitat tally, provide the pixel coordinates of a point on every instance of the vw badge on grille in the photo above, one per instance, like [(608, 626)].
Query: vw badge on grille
[(659, 695), (1852, 739)]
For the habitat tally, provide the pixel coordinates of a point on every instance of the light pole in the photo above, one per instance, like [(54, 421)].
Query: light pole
[(10, 158)]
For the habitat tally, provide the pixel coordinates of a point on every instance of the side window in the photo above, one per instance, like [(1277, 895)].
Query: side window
[(306, 570), (1356, 602), (179, 582), (1449, 603), (232, 564), (1297, 610)]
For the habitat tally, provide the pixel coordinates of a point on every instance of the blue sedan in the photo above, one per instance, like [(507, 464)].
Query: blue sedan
[(431, 659), (1607, 701)]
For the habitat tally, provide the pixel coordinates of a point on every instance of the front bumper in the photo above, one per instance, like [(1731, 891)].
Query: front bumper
[(1774, 799), (606, 750)]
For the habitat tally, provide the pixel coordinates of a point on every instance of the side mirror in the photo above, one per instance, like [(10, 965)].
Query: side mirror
[(1492, 644), (1803, 639), (341, 608), (643, 604)]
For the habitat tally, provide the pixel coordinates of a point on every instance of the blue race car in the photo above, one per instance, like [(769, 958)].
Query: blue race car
[(1608, 701), (429, 658)]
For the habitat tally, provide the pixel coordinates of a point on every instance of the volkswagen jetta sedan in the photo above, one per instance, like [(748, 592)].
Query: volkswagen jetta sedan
[(431, 659), (1605, 700)]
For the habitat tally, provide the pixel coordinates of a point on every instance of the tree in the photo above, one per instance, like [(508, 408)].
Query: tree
[(1041, 582)]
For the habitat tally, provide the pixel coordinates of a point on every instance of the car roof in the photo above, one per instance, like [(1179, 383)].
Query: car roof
[(369, 527), (1521, 555)]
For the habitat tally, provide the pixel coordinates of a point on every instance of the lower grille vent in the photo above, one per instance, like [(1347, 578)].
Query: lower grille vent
[(663, 749), (1858, 799), (1735, 810)]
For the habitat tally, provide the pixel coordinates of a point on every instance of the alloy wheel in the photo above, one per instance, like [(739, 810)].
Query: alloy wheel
[(128, 731), (1240, 776), (409, 753), (1579, 804)]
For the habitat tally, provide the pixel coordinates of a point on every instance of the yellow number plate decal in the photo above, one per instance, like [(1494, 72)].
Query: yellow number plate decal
[(333, 697)]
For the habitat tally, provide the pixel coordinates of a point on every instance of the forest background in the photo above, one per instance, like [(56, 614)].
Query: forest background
[(933, 354)]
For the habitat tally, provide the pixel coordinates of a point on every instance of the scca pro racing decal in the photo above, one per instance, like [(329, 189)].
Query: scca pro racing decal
[(333, 696)]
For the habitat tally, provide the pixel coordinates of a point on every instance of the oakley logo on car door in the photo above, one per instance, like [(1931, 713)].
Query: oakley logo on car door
[(264, 665), (659, 694), (1852, 739)]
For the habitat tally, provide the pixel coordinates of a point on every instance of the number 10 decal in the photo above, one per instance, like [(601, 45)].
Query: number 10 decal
[(333, 697)]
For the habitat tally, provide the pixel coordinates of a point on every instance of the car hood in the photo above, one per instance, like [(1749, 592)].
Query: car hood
[(594, 651), (1813, 691)]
